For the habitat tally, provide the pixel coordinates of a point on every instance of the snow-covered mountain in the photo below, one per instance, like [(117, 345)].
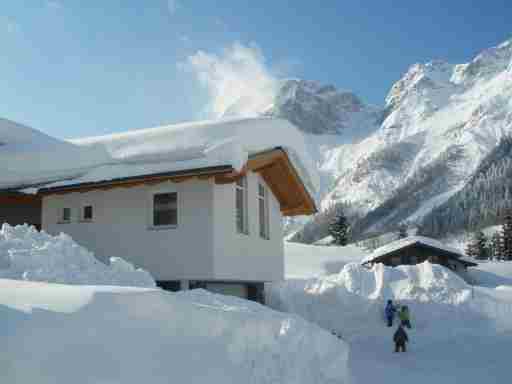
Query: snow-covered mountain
[(441, 121), (328, 117), (438, 123)]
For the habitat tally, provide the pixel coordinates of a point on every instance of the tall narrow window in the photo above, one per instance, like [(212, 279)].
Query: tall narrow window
[(242, 223), (165, 209), (263, 211), (65, 216)]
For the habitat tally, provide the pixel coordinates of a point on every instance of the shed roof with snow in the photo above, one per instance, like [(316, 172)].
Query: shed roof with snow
[(411, 243)]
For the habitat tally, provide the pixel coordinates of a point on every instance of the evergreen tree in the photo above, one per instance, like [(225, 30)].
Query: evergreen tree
[(402, 231), (477, 246), (507, 236), (339, 229), (496, 246), (481, 246)]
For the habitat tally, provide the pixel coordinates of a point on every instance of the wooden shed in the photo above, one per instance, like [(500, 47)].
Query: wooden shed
[(417, 249)]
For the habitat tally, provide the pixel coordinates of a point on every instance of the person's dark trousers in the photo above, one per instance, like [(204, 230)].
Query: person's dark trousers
[(390, 321), (406, 323), (400, 346)]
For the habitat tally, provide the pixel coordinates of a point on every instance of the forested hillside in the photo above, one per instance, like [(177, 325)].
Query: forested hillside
[(481, 202)]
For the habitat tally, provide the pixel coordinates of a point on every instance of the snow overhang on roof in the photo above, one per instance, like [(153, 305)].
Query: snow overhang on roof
[(417, 240), (223, 150)]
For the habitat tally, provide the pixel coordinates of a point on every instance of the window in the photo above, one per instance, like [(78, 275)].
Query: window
[(165, 209), (242, 224), (263, 211), (396, 260), (65, 215), (87, 213)]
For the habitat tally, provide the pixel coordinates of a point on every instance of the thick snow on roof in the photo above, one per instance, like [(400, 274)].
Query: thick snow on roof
[(204, 143), (402, 243), (29, 157), (168, 148)]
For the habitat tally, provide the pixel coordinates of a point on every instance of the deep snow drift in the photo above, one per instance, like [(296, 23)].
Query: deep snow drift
[(27, 254), (62, 334), (460, 333)]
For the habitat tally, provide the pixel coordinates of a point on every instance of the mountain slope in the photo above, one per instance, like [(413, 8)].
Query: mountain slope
[(482, 200), (441, 121)]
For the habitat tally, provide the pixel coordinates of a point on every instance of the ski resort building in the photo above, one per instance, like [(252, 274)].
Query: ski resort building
[(197, 205), (418, 249)]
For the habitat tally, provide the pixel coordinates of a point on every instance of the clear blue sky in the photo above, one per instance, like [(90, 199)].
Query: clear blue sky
[(76, 68)]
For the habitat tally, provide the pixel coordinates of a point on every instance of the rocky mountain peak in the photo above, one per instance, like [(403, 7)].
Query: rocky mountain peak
[(321, 109), (487, 63), (419, 77)]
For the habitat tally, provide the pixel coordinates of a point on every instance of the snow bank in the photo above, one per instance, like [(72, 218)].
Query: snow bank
[(87, 335), (26, 254), (352, 301), (306, 261)]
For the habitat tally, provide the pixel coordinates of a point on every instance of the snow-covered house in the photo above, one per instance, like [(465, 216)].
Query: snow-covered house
[(196, 204), (418, 249)]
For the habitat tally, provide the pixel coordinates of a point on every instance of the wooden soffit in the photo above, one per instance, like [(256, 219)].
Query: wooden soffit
[(276, 169)]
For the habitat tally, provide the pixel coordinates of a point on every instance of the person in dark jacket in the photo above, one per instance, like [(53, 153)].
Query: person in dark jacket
[(389, 312), (401, 339)]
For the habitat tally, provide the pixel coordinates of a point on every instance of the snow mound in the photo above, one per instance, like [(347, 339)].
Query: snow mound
[(352, 301), (114, 335), (26, 254)]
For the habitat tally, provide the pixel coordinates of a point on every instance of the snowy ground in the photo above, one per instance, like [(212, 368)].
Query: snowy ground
[(85, 334), (460, 333)]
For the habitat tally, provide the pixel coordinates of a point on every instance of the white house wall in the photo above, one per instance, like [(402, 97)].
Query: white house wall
[(121, 227), (204, 246), (247, 257)]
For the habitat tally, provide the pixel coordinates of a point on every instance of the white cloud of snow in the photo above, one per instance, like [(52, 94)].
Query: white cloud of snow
[(238, 80)]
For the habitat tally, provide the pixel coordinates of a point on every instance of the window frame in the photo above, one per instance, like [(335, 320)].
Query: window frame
[(244, 188), (151, 210), (265, 233)]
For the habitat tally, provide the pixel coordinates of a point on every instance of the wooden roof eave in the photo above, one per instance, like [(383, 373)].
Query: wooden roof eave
[(278, 172)]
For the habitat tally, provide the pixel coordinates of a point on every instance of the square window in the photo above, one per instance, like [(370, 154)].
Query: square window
[(87, 213), (165, 209)]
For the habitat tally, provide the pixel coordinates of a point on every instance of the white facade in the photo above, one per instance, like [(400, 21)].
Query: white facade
[(204, 245)]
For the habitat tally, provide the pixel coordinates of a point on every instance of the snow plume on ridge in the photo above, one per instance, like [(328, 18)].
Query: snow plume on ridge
[(238, 81)]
